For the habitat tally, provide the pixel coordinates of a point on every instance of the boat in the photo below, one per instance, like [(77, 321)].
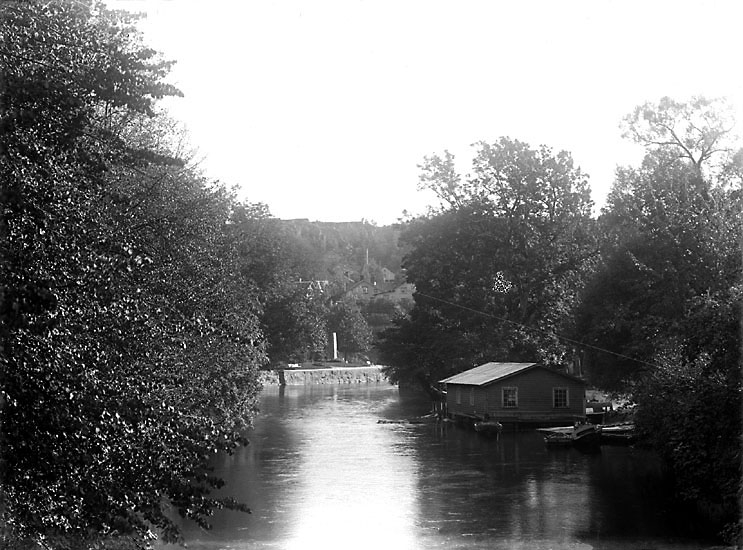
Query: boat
[(618, 434), (425, 419), (580, 435), (488, 427)]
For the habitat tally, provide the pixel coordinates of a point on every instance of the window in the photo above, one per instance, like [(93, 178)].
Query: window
[(510, 397), (459, 395), (472, 396), (560, 398)]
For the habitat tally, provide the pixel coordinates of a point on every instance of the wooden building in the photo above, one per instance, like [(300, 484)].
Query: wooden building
[(521, 393)]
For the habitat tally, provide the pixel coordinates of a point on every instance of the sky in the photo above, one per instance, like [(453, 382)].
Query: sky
[(324, 109)]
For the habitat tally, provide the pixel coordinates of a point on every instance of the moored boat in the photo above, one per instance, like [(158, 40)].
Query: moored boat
[(488, 427), (580, 435), (618, 434)]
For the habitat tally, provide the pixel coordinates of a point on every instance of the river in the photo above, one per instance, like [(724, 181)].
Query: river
[(321, 472)]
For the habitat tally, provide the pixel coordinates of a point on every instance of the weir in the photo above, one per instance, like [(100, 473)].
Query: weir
[(371, 374)]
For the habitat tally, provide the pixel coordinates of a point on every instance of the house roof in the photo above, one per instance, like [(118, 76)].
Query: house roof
[(490, 372), (486, 373)]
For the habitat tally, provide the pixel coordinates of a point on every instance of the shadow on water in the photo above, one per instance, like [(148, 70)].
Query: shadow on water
[(321, 472)]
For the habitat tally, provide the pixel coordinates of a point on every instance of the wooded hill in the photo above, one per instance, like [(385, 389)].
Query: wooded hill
[(340, 251)]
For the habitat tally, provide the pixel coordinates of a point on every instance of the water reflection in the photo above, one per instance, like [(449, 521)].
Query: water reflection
[(322, 473), (503, 491), (340, 494)]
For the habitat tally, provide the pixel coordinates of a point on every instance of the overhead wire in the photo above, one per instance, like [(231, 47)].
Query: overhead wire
[(534, 329)]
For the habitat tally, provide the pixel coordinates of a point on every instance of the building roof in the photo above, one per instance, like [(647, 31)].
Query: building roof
[(490, 372)]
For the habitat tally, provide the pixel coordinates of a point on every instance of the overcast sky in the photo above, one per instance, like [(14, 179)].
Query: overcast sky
[(323, 110)]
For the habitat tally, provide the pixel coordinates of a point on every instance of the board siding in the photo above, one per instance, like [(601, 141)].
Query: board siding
[(534, 397)]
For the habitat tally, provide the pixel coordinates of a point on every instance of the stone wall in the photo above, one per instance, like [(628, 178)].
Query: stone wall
[(335, 375), (269, 377)]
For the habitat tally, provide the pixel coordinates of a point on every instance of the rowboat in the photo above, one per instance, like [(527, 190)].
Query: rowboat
[(618, 434), (488, 427), (580, 435)]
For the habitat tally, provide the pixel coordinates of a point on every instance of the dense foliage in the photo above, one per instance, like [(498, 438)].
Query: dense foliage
[(667, 295), (129, 339), (497, 269), (292, 312), (296, 324), (672, 243), (353, 334)]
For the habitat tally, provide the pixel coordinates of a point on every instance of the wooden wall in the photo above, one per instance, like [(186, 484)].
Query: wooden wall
[(534, 398)]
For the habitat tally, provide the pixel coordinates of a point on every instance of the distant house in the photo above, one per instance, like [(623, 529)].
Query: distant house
[(516, 393), (387, 275)]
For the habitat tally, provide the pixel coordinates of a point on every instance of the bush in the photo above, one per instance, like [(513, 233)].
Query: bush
[(690, 412)]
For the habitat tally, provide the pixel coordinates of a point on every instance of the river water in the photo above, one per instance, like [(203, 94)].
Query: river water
[(322, 472)]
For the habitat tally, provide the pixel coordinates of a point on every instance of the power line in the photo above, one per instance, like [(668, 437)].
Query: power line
[(533, 329)]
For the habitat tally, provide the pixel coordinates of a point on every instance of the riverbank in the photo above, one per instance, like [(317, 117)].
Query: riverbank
[(369, 374)]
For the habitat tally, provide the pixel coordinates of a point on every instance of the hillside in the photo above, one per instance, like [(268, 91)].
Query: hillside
[(344, 251)]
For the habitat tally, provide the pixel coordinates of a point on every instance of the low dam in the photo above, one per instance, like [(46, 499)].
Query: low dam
[(371, 374)]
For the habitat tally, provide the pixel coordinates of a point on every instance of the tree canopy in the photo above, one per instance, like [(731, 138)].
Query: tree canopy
[(696, 130), (671, 242), (129, 342), (666, 296), (353, 333), (497, 269)]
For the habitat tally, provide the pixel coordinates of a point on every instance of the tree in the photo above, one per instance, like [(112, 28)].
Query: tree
[(354, 334), (671, 236), (666, 298), (128, 345), (268, 257), (695, 131), (295, 323), (421, 348), (273, 262), (497, 269)]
